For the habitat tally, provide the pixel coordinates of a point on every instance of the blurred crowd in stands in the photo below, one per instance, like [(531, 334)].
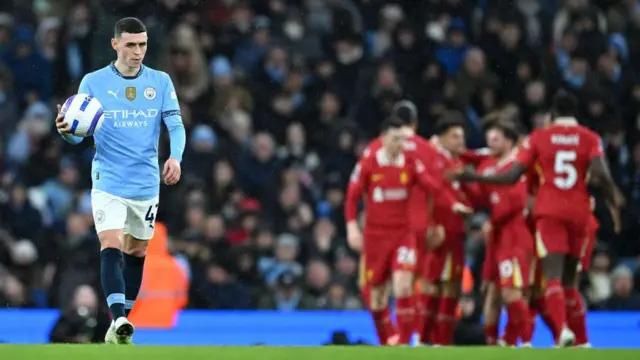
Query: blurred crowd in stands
[(279, 97)]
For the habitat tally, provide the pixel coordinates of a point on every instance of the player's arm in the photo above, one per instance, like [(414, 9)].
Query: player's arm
[(511, 176), (355, 190), (177, 137), (172, 119), (431, 185), (357, 185), (600, 170)]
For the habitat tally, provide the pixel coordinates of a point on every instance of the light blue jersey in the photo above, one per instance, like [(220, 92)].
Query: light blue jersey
[(126, 159)]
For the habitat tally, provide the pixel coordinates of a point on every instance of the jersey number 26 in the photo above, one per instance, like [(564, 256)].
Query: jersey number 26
[(565, 169)]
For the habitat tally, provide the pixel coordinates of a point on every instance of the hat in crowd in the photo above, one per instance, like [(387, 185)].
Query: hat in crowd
[(288, 240), (261, 22), (621, 271), (250, 205), (203, 134), (220, 66)]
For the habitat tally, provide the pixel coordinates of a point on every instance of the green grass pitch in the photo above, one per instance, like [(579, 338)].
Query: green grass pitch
[(104, 352)]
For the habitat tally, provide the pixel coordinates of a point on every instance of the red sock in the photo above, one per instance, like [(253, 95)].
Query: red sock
[(446, 321), (520, 322), (576, 315), (555, 307), (405, 317), (384, 326), (491, 333), (541, 309), (429, 307)]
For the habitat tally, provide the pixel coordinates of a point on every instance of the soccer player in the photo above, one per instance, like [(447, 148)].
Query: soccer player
[(418, 222), (125, 175), (510, 250), (386, 177), (445, 261), (565, 152)]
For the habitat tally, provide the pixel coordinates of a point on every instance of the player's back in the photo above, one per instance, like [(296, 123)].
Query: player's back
[(126, 159), (564, 153)]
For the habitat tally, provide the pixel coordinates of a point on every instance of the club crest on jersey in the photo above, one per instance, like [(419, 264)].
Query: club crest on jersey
[(150, 93), (404, 178), (130, 92)]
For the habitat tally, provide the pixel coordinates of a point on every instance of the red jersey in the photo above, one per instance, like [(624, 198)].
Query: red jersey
[(387, 186), (442, 162), (506, 201), (419, 209), (563, 152)]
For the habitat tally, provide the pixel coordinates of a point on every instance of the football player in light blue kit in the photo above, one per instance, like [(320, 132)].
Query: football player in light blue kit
[(125, 171)]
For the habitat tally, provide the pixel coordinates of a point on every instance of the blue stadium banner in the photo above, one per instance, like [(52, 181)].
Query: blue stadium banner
[(606, 329)]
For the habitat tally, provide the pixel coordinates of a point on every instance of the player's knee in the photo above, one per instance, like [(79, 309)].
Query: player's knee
[(379, 297), (402, 284), (511, 295), (429, 288), (553, 266), (135, 247), (111, 239)]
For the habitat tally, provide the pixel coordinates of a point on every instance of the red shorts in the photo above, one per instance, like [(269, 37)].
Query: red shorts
[(382, 255), (509, 257), (445, 263), (587, 251), (557, 236)]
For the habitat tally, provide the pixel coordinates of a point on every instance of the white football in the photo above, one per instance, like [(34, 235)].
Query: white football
[(84, 114)]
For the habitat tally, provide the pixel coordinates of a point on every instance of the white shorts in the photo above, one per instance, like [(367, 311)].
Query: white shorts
[(136, 217)]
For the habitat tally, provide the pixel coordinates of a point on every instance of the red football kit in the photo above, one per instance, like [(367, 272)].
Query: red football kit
[(418, 207), (389, 244), (510, 249), (445, 263), (563, 152)]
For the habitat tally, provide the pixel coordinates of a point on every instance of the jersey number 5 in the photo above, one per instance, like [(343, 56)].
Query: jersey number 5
[(151, 215), (565, 169)]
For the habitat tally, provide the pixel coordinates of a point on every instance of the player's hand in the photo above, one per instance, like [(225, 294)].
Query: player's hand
[(171, 172), (461, 209), (466, 173), (435, 237), (354, 236), (61, 124), (486, 230)]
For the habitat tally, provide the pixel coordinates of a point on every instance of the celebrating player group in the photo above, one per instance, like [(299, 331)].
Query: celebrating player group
[(539, 236)]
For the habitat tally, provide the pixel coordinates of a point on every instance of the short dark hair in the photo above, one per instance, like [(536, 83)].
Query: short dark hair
[(448, 122), (564, 104), (406, 111), (129, 25), (391, 123), (509, 130)]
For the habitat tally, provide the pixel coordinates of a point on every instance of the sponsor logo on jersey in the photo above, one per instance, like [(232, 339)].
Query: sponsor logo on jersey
[(149, 93), (376, 177), (130, 92), (404, 178)]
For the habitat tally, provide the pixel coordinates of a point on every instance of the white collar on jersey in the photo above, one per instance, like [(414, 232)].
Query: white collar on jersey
[(566, 121), (383, 159), (442, 150)]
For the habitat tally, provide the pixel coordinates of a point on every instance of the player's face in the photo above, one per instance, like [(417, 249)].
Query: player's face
[(392, 141), (453, 140), (131, 48), (496, 141)]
